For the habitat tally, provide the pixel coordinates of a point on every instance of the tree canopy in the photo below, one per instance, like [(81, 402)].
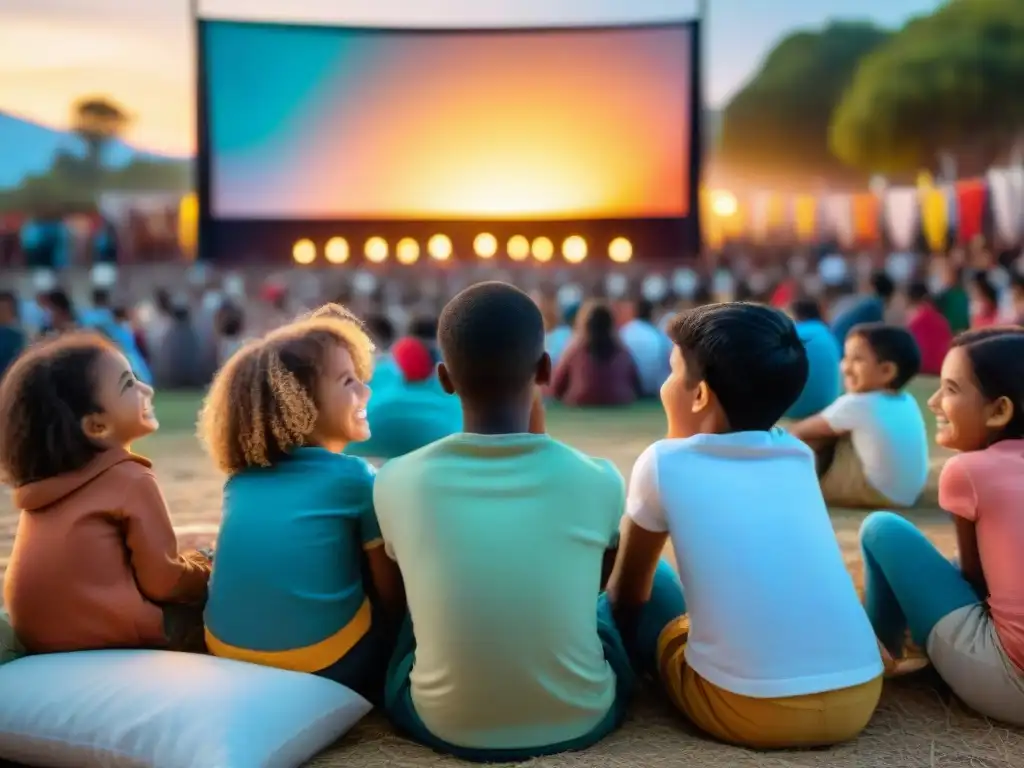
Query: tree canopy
[(949, 83), (777, 125)]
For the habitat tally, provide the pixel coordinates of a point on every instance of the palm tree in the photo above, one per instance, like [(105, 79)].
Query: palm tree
[(97, 121)]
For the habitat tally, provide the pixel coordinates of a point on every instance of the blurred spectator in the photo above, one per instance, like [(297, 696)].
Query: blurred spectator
[(1017, 291), (870, 308), (61, 312), (649, 347), (596, 368), (175, 359), (984, 301), (951, 297), (929, 327), (12, 336), (823, 355)]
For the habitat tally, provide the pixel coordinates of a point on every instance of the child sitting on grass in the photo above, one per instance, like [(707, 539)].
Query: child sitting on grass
[(871, 442), (298, 524), (764, 644), (505, 536), (95, 561), (412, 412), (969, 618)]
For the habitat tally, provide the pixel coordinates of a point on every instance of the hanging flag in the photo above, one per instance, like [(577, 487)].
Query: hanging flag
[(805, 217), (1006, 188), (839, 215), (901, 216), (970, 199), (865, 218)]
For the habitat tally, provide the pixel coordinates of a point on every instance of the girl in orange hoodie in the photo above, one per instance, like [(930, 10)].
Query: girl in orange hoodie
[(95, 561)]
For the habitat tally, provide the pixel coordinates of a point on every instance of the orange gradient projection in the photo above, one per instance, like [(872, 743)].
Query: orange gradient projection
[(396, 125)]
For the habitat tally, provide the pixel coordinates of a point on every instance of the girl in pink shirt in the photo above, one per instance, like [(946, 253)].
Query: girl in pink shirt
[(969, 617)]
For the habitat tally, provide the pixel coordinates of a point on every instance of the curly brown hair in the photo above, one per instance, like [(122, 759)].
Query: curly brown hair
[(262, 402)]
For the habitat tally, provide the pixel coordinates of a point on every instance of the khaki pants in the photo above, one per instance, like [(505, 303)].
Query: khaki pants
[(967, 654), (814, 720), (844, 484)]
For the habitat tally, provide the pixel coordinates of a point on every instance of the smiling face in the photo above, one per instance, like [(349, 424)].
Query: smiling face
[(862, 370), (126, 404), (965, 419), (341, 398)]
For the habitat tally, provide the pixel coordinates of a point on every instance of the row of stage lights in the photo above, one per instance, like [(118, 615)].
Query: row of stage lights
[(439, 248)]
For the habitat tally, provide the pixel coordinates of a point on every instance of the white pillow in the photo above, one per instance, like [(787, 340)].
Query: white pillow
[(158, 709)]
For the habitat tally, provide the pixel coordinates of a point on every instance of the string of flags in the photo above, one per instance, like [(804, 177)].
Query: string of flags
[(931, 215)]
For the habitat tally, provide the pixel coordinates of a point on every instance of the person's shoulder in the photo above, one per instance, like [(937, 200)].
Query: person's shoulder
[(592, 467), (131, 469)]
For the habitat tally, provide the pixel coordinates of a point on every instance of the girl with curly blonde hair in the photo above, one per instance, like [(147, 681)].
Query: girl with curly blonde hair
[(302, 578)]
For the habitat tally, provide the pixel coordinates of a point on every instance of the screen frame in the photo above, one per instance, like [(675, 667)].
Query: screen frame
[(229, 239)]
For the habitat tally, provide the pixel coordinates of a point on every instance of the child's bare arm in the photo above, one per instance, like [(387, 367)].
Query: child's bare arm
[(387, 583), (163, 574), (813, 428)]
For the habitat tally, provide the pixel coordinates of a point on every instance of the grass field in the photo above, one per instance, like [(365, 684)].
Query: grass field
[(918, 724)]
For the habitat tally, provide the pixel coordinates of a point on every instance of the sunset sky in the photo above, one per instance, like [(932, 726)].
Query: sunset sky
[(140, 51)]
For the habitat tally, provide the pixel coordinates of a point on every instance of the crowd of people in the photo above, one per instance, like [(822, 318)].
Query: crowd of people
[(495, 590)]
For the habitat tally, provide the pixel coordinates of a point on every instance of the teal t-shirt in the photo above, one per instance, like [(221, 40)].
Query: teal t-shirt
[(287, 587), (823, 378), (501, 540), (407, 416)]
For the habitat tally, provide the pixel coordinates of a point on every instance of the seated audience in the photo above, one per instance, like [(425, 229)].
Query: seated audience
[(100, 317), (870, 308), (929, 328), (649, 347), (385, 370), (95, 561), (12, 335), (559, 336), (969, 616), (823, 355), (984, 301), (871, 442), (596, 369), (951, 298), (412, 412), (299, 529), (506, 537), (761, 640), (1017, 294)]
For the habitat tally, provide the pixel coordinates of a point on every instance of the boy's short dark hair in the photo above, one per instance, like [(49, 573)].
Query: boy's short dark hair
[(805, 308), (492, 340), (44, 396), (644, 310), (882, 285), (59, 300), (424, 328), (381, 330), (918, 291), (750, 356), (892, 344)]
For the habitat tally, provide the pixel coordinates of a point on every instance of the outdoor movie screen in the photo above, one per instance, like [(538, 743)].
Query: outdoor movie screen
[(328, 123)]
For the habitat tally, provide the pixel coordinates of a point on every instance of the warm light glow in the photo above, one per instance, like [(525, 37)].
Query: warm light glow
[(376, 249), (724, 204), (485, 245), (518, 248), (543, 249), (620, 250), (574, 249), (304, 252), (336, 251), (407, 251), (439, 247)]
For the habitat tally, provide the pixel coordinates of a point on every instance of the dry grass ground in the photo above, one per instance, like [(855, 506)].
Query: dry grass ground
[(919, 725)]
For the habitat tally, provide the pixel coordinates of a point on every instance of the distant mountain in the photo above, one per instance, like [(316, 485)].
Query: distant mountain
[(28, 148)]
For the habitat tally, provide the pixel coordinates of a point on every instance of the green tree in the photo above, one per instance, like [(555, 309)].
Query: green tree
[(97, 121), (776, 127), (948, 84)]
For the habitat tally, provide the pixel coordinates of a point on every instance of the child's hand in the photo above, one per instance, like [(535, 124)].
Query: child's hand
[(538, 425)]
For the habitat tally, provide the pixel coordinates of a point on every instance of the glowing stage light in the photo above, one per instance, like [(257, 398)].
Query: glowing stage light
[(518, 248), (485, 245), (543, 249), (439, 247), (376, 250), (574, 249), (336, 251), (620, 250), (407, 251), (724, 204), (304, 252)]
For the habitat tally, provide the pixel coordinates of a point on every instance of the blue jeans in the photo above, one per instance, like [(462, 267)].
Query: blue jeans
[(665, 605), (908, 583)]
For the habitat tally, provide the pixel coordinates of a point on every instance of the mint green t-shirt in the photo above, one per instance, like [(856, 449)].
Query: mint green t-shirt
[(500, 539)]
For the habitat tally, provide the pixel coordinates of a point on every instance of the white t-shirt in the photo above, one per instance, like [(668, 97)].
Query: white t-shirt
[(773, 611), (651, 350), (888, 434)]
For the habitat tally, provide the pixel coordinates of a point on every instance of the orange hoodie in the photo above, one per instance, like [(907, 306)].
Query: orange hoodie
[(94, 556)]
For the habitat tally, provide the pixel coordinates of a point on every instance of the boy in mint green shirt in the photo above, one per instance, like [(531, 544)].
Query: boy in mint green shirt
[(505, 538)]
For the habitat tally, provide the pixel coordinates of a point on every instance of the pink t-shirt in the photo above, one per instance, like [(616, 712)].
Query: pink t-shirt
[(987, 487)]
